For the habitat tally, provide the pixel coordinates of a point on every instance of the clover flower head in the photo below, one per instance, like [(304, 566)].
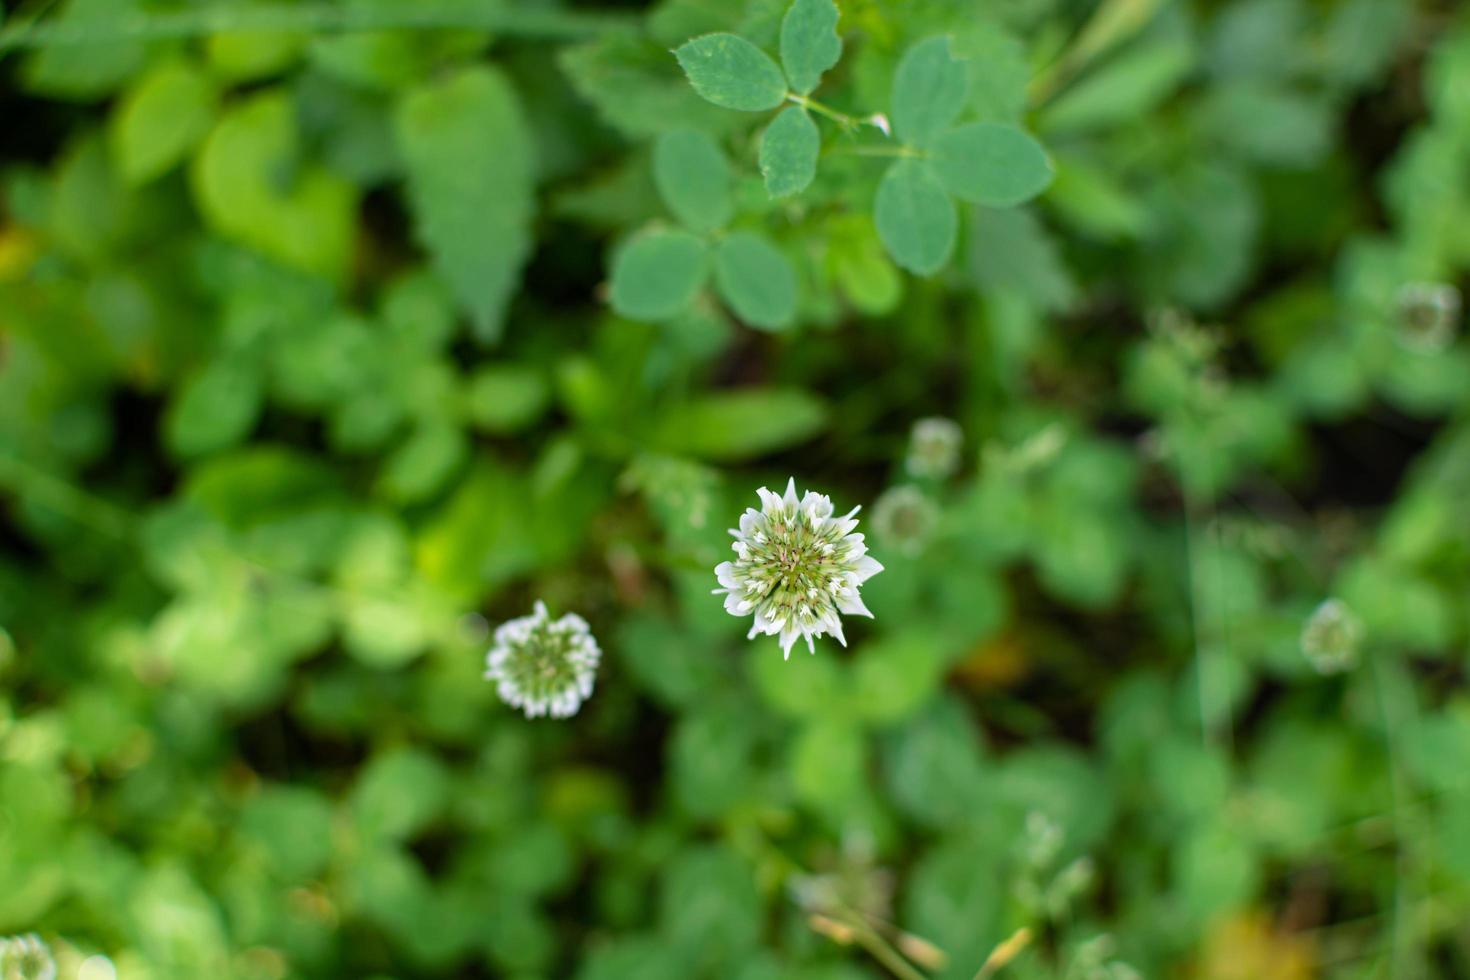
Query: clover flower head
[(904, 518), (934, 448), (1429, 315), (1331, 637), (543, 666), (797, 568), (26, 958)]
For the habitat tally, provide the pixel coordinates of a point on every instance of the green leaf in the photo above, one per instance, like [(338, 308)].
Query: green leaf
[(809, 42), (929, 90), (215, 409), (991, 164), (242, 56), (424, 462), (756, 280), (709, 909), (860, 267), (470, 170), (634, 88), (741, 424), (656, 274), (693, 178), (160, 120), (506, 398), (398, 793), (915, 217), (1126, 87), (731, 72), (292, 825), (789, 148), (252, 186), (893, 677), (828, 764)]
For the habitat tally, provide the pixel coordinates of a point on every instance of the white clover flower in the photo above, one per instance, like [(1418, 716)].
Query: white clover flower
[(904, 518), (934, 448), (797, 568), (1331, 637), (1429, 315), (543, 666), (26, 958)]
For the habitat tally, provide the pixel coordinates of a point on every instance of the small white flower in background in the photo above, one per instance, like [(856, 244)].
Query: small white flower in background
[(544, 666), (934, 448), (904, 518), (1331, 637), (797, 568), (26, 958), (1429, 315)]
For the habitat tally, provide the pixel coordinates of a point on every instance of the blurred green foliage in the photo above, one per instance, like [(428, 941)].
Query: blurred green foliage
[(333, 334)]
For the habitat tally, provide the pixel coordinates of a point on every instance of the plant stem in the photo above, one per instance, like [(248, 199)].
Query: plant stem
[(840, 118), (307, 19), (881, 950), (70, 501)]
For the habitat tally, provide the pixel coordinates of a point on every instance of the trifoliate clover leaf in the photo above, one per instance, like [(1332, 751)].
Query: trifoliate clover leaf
[(731, 72)]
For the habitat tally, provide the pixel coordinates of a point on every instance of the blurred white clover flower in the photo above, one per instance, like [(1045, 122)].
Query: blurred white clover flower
[(904, 518), (26, 958), (1429, 315), (934, 448), (797, 569), (1331, 637), (543, 666)]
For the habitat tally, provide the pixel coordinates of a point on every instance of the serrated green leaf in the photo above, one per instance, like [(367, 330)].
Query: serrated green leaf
[(657, 273), (730, 71), (929, 90), (992, 164), (160, 119), (693, 178), (809, 43), (789, 149), (469, 157), (756, 280), (741, 424), (915, 217)]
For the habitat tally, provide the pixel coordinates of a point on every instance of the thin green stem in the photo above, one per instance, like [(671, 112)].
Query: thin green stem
[(23, 479), (880, 948), (155, 25), (1396, 790), (1113, 22), (879, 151), (840, 118)]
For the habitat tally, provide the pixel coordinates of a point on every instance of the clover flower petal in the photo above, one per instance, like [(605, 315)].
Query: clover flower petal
[(26, 957), (934, 448), (1331, 637), (797, 568), (543, 666)]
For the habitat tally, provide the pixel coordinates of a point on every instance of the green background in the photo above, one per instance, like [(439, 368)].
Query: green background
[(310, 376)]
